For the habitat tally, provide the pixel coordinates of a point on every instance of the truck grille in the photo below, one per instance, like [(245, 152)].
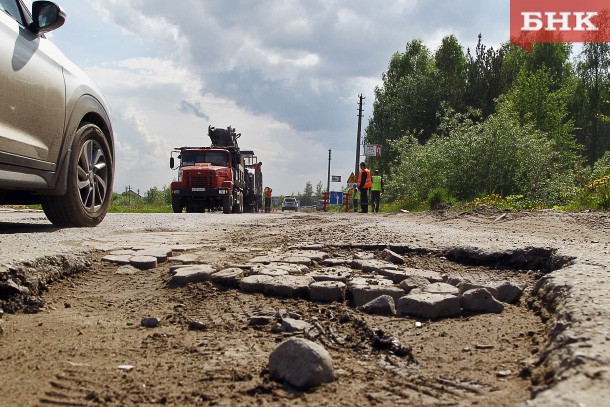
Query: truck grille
[(193, 180)]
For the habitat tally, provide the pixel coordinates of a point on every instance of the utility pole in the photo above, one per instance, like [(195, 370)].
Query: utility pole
[(328, 180), (360, 103)]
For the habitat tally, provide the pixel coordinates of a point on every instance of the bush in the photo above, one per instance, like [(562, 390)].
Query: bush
[(469, 159), (438, 198)]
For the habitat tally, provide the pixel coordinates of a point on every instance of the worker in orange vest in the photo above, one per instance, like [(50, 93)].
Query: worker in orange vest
[(365, 183), (268, 192)]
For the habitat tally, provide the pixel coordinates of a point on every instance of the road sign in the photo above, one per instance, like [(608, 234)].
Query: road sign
[(372, 150), (336, 198), (351, 179), (335, 178)]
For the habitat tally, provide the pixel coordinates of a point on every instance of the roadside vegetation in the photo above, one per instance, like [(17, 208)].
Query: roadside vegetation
[(502, 128), (152, 201)]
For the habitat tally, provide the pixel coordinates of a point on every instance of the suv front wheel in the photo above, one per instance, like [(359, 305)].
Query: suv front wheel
[(90, 175)]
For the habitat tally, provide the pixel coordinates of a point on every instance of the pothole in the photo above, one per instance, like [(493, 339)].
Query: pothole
[(442, 354), (383, 356)]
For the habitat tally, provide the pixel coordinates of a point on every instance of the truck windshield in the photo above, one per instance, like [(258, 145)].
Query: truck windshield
[(213, 157)]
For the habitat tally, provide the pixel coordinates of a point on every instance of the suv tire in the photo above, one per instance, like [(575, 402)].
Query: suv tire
[(89, 186)]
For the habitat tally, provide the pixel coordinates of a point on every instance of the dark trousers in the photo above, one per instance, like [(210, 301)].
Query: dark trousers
[(364, 200), (355, 202), (375, 197), (267, 205)]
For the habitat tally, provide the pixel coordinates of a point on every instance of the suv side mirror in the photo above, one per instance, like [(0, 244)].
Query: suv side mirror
[(47, 16)]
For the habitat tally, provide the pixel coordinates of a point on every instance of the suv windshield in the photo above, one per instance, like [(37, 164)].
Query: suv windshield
[(213, 157)]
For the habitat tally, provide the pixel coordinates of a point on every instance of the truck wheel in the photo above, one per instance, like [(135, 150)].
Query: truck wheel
[(227, 204), (90, 175), (238, 204), (176, 205)]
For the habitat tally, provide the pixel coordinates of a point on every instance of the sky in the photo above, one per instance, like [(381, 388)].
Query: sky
[(286, 74)]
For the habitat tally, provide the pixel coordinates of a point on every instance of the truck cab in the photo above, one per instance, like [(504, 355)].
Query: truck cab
[(208, 178)]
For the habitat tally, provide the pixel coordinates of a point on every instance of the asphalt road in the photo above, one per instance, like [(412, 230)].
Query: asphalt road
[(577, 354)]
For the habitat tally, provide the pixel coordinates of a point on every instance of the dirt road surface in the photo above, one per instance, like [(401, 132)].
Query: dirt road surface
[(71, 329)]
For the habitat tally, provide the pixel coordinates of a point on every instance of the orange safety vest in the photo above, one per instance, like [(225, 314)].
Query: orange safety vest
[(368, 183)]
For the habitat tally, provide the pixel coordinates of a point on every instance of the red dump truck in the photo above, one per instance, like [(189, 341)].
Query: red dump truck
[(217, 177)]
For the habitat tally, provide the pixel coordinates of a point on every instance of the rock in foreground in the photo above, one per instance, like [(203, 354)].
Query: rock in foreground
[(301, 363)]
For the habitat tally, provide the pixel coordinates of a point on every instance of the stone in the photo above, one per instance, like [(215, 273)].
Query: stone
[(429, 306), (480, 300), (397, 276), (197, 326), (185, 259), (439, 288), (306, 261), (160, 253), (150, 322), (392, 257), (176, 267), (374, 281), (143, 262), (120, 259), (292, 268), (301, 363), (335, 262), (508, 292), (363, 294), (382, 305), (289, 286), (327, 291), (276, 267), (372, 266), (228, 277), (431, 276), (193, 274), (467, 286), (294, 325), (364, 256), (255, 283), (413, 282)]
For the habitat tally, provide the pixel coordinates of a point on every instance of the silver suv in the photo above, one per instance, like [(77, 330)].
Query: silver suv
[(290, 204), (56, 141)]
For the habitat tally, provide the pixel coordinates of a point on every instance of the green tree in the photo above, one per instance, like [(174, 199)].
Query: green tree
[(407, 101), (483, 78), (591, 105), (319, 190), (307, 195), (538, 100), (451, 64)]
